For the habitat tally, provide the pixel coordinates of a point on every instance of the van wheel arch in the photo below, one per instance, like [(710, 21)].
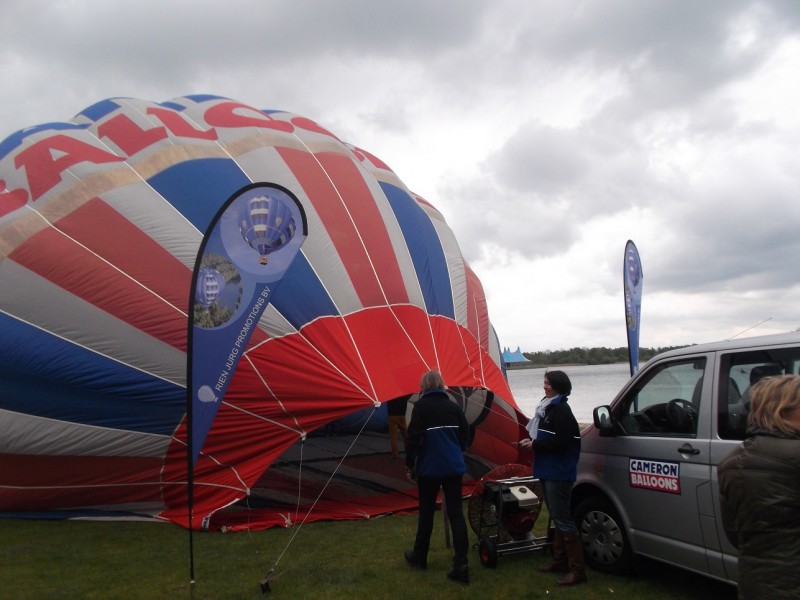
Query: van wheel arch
[(605, 542)]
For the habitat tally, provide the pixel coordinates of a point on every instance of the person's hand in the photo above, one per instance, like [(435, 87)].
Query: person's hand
[(411, 475), (525, 444)]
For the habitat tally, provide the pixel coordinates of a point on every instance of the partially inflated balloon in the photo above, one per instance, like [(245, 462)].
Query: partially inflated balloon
[(101, 221)]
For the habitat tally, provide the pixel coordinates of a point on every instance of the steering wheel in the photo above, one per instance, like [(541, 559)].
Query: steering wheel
[(682, 414)]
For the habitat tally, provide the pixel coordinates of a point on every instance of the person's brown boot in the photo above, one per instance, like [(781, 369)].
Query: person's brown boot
[(577, 564), (559, 563), (572, 578)]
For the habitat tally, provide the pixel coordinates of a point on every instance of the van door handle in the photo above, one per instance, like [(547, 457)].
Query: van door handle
[(687, 449)]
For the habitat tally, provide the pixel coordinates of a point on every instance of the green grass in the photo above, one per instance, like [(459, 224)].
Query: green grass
[(331, 560)]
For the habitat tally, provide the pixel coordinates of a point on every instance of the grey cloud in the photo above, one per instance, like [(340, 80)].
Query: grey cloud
[(670, 53), (543, 183), (742, 238), (652, 80), (540, 159), (599, 169), (238, 31), (300, 55), (485, 215)]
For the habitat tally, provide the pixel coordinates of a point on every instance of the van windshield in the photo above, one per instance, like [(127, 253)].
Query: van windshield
[(666, 401)]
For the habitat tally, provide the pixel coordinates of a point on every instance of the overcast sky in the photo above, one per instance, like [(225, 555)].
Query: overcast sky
[(547, 133)]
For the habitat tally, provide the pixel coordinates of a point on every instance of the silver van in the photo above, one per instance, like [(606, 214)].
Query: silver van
[(647, 476)]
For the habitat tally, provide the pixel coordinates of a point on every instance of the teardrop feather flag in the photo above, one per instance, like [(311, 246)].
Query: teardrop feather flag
[(222, 323), (632, 280)]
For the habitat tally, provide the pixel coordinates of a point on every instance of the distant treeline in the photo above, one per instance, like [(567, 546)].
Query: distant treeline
[(590, 356)]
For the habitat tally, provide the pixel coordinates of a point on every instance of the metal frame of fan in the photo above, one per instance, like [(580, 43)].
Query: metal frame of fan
[(502, 511)]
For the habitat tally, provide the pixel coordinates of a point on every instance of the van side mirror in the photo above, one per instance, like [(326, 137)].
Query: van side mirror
[(602, 418)]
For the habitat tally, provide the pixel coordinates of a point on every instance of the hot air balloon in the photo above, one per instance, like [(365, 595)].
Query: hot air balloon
[(209, 285), (94, 345), (266, 225)]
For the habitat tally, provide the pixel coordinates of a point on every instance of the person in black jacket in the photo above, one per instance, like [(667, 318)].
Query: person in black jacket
[(438, 434), (555, 439), (759, 490)]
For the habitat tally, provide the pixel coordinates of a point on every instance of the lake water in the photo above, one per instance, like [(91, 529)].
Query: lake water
[(592, 385)]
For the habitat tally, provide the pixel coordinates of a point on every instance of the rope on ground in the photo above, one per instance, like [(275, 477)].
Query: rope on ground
[(265, 583)]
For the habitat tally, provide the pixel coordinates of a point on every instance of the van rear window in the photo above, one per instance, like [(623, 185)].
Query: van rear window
[(739, 371)]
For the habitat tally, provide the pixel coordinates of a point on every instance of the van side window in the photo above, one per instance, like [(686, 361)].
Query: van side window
[(666, 401), (739, 371)]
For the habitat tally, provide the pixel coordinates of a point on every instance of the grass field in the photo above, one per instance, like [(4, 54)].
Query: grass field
[(331, 560)]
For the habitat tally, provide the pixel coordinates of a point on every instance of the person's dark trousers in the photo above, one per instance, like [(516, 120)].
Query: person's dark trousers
[(428, 488)]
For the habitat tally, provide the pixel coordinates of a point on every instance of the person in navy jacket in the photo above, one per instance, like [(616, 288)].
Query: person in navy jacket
[(438, 434), (555, 439)]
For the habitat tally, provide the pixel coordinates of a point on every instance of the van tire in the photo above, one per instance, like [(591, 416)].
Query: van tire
[(605, 543)]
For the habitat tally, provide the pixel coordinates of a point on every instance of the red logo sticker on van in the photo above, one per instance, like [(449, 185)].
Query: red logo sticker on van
[(655, 475)]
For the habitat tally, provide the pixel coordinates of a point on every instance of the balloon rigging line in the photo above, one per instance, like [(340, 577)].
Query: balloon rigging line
[(265, 582), (110, 264), (503, 414), (494, 409), (300, 478), (374, 394), (89, 349), (263, 381), (330, 363), (267, 419), (409, 337), (349, 213), (322, 491), (377, 278), (320, 354), (367, 254)]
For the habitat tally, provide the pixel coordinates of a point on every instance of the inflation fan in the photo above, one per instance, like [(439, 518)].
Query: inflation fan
[(502, 512)]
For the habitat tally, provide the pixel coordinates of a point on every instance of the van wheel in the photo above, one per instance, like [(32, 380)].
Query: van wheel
[(605, 542)]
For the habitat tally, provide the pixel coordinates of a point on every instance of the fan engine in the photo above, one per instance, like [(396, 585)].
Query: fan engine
[(503, 511), (515, 504)]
